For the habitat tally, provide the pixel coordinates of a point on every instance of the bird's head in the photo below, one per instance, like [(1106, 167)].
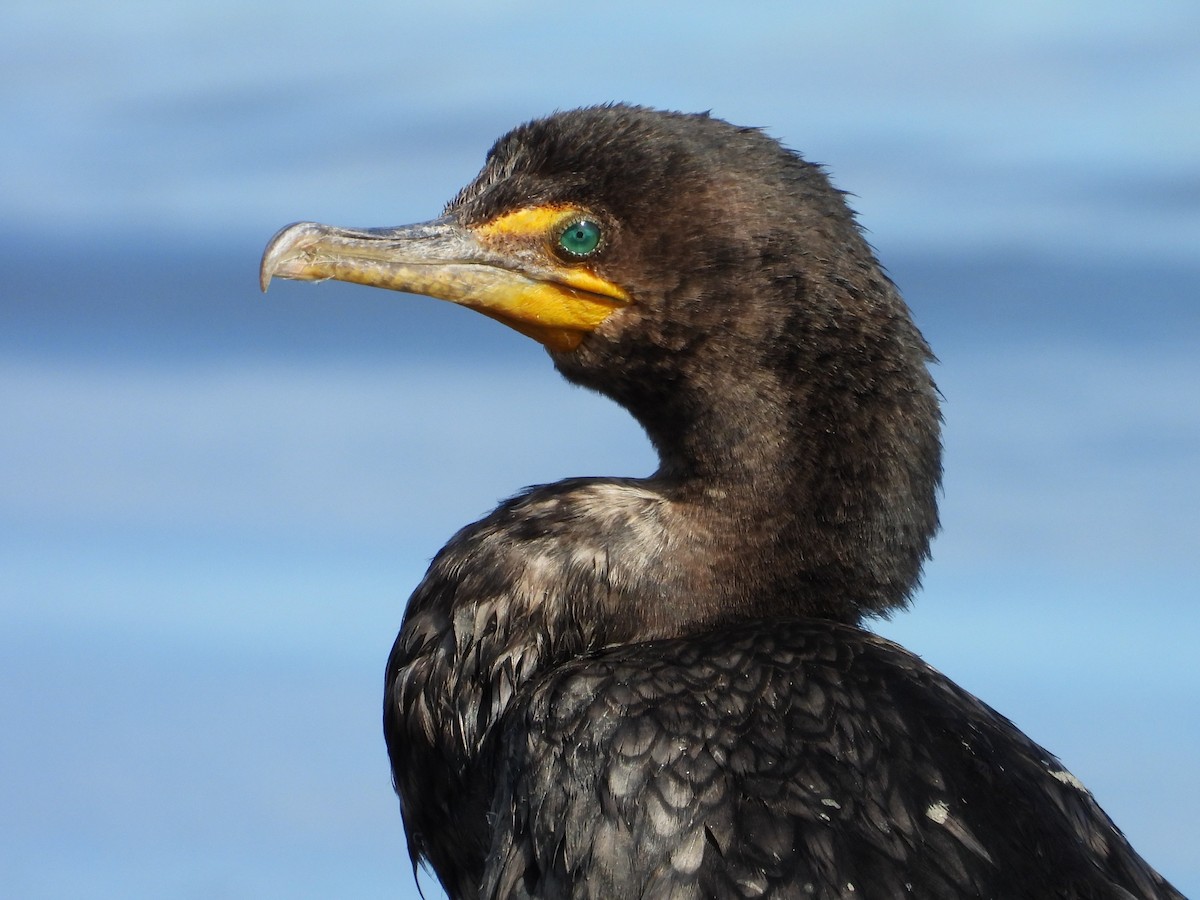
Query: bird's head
[(620, 225)]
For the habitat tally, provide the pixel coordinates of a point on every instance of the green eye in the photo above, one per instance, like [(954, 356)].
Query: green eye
[(580, 238)]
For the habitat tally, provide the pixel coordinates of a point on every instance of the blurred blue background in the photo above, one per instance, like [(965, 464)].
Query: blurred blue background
[(213, 504)]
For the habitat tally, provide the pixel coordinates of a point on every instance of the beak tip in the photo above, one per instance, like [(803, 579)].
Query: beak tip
[(282, 247)]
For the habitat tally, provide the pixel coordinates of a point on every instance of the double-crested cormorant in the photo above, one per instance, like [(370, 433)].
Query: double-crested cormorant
[(660, 687)]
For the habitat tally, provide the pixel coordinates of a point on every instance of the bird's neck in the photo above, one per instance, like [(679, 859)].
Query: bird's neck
[(737, 448), (813, 483)]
